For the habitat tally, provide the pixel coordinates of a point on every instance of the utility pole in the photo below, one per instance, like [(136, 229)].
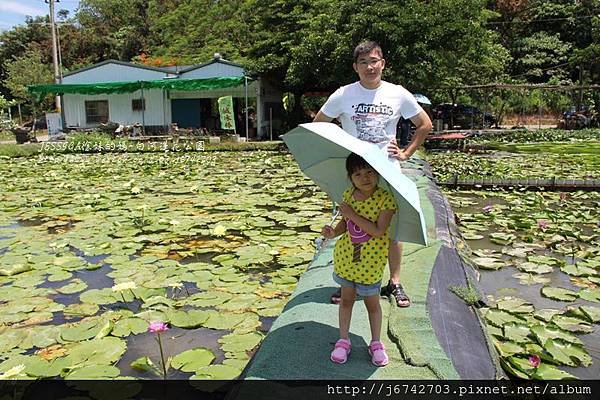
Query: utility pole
[(57, 79)]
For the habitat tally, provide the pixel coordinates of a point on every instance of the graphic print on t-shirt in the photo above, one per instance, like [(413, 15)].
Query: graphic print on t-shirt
[(370, 121)]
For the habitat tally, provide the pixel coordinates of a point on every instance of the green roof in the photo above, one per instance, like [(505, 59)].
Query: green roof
[(132, 86)]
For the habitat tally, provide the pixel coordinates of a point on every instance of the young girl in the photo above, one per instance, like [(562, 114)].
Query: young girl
[(360, 255)]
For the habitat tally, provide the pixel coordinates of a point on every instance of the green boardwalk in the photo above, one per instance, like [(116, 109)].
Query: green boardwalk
[(301, 339)]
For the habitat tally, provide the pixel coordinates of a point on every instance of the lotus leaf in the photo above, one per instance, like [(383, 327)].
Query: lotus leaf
[(217, 372), (189, 319), (546, 260), (98, 296), (41, 368), (558, 293), (534, 268), (506, 349), (104, 351), (590, 294), (59, 276), (76, 285), (239, 302), (209, 298), (516, 332), (10, 339), (236, 363), (488, 263), (15, 269), (549, 372), (223, 320), (518, 366), (575, 270), (81, 330), (592, 313), (499, 317), (567, 353), (152, 315), (546, 314), (145, 364), (128, 326), (502, 238), (93, 372), (572, 324), (240, 342), (152, 301), (192, 360), (515, 305), (81, 309), (543, 333)]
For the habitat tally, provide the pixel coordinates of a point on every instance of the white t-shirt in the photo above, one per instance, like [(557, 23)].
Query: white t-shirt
[(371, 114)]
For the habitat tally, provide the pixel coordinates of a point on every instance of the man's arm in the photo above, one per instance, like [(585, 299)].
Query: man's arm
[(320, 117), (424, 126)]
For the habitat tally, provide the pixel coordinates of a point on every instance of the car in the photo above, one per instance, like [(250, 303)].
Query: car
[(463, 116)]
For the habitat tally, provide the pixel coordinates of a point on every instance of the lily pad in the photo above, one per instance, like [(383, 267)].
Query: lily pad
[(236, 342), (488, 263), (543, 333), (557, 293), (535, 268), (94, 372), (192, 360), (128, 326), (567, 353), (548, 372), (188, 319), (217, 372), (592, 313), (572, 324), (506, 349), (515, 305), (499, 317), (590, 294), (517, 333)]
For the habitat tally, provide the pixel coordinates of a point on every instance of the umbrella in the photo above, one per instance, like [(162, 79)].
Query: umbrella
[(321, 149), (422, 98)]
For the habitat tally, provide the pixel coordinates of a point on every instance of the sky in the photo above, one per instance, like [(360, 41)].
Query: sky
[(13, 12)]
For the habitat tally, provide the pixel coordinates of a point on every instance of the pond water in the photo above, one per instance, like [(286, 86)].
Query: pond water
[(126, 239), (547, 234)]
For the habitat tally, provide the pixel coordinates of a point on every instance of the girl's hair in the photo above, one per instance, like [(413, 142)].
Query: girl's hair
[(354, 162)]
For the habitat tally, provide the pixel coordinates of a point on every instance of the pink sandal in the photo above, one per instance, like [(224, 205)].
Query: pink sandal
[(340, 352), (379, 357)]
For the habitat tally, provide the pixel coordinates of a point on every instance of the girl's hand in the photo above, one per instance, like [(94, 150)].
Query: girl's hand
[(346, 211), (328, 232)]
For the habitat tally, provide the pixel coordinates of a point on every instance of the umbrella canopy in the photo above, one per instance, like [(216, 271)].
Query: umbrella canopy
[(422, 98), (321, 149)]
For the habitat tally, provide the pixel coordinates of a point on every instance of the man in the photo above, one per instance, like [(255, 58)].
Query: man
[(369, 110)]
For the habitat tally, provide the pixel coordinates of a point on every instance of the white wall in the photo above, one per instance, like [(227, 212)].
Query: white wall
[(113, 72), (119, 108)]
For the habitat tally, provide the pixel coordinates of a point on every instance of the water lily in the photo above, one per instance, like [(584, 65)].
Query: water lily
[(124, 286), (488, 208), (13, 373), (542, 224), (534, 360), (219, 230), (563, 196), (159, 327)]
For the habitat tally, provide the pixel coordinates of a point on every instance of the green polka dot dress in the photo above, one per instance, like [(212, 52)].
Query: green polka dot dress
[(366, 269)]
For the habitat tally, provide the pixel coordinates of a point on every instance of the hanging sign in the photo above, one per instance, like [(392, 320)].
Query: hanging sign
[(226, 113)]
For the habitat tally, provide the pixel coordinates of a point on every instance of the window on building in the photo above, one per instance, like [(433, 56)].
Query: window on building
[(96, 111), (138, 104)]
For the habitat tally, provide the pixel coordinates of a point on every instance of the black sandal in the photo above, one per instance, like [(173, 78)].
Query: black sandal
[(396, 290)]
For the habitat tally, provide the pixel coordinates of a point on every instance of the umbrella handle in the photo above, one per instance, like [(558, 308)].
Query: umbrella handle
[(321, 240)]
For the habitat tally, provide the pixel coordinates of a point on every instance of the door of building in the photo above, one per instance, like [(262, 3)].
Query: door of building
[(186, 112)]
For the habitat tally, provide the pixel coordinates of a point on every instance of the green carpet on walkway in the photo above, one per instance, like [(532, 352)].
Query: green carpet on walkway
[(301, 339)]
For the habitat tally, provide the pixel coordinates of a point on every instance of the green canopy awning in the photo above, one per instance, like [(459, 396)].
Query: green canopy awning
[(132, 86)]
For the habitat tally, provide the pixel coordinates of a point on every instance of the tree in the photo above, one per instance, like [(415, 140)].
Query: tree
[(25, 70)]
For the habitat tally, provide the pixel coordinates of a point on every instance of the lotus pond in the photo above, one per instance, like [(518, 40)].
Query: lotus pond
[(94, 248), (538, 254)]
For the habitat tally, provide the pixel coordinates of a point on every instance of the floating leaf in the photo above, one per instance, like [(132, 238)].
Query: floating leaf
[(535, 268), (192, 360), (223, 320), (499, 317), (546, 314), (592, 313), (543, 333), (548, 372), (515, 305), (94, 372), (531, 279), (560, 294), (506, 349), (572, 324), (235, 342), (488, 263), (144, 364), (567, 353), (590, 294), (516, 332), (128, 326), (189, 319), (217, 372)]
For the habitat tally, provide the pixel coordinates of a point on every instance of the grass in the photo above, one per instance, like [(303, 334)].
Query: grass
[(467, 293)]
